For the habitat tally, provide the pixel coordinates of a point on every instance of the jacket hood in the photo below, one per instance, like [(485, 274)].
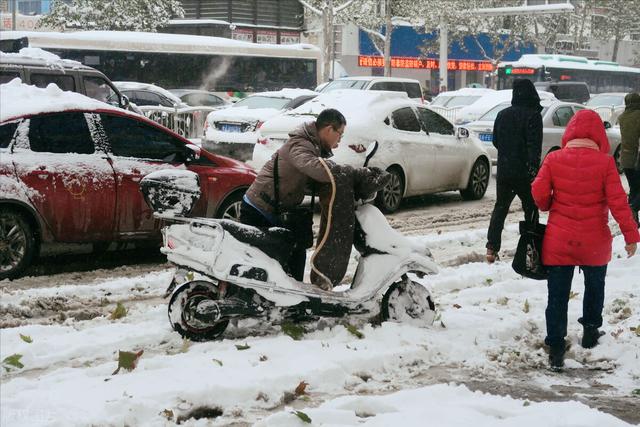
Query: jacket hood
[(525, 94), (632, 101), (309, 132), (587, 124)]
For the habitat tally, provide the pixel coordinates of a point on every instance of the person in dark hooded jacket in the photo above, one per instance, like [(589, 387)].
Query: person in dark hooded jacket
[(630, 149), (517, 134)]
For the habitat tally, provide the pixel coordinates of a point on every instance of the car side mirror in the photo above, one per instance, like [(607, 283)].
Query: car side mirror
[(607, 125), (124, 102), (462, 133), (192, 153)]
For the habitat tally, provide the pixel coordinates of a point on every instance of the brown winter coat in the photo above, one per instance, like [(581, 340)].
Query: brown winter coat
[(630, 132), (298, 163)]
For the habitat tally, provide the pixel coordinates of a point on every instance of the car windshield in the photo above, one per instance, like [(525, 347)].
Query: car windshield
[(253, 102), (345, 84), (440, 100), (605, 100), (491, 115), (460, 101)]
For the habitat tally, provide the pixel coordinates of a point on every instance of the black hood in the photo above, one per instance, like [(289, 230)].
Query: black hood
[(525, 94)]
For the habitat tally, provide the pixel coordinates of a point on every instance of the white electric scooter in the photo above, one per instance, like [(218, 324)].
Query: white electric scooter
[(229, 271)]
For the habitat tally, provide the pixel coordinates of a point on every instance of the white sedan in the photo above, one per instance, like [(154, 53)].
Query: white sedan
[(232, 131), (422, 150)]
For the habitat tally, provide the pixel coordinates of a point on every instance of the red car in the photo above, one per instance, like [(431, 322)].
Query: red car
[(73, 175)]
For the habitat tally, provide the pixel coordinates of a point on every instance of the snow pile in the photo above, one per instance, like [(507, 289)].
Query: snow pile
[(35, 100), (443, 406), (488, 335)]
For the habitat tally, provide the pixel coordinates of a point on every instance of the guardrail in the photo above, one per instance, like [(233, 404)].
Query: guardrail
[(609, 113), (187, 122), (450, 114)]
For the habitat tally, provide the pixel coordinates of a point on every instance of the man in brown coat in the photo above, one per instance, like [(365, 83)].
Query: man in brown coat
[(299, 165), (630, 150)]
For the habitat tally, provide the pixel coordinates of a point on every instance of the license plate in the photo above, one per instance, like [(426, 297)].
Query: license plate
[(486, 137), (230, 128)]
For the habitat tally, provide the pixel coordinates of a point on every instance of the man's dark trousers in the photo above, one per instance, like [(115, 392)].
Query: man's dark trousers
[(506, 191), (633, 178), (250, 216)]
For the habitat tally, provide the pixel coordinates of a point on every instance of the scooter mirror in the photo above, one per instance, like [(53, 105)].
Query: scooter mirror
[(371, 150)]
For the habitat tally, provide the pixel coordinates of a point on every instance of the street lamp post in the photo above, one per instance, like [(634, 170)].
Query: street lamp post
[(13, 14)]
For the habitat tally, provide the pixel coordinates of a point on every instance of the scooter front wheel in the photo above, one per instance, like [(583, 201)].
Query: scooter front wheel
[(409, 302), (183, 311)]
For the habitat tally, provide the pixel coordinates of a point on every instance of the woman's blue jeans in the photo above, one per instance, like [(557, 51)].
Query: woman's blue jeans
[(559, 286)]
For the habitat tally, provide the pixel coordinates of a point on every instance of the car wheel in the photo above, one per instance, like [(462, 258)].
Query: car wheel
[(388, 200), (616, 156), (230, 209), (478, 181), (18, 244)]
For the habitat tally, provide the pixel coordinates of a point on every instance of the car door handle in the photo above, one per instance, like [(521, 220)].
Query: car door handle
[(136, 178)]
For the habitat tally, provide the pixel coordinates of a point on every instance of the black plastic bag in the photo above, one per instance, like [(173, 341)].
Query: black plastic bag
[(528, 258)]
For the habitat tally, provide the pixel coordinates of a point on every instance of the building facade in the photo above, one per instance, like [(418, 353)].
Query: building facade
[(257, 21)]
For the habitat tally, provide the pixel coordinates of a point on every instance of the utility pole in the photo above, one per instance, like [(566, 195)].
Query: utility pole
[(444, 55), (13, 15)]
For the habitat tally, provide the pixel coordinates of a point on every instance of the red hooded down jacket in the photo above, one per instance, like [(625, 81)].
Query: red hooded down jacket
[(578, 186)]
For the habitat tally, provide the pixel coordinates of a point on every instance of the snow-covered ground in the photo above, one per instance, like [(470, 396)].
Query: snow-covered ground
[(482, 363)]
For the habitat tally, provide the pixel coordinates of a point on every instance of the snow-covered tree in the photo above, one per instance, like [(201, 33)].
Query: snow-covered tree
[(466, 27), (615, 19), (122, 15), (374, 16), (328, 10)]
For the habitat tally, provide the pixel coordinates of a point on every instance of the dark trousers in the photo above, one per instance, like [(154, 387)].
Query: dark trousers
[(633, 178), (250, 216), (505, 193), (559, 285)]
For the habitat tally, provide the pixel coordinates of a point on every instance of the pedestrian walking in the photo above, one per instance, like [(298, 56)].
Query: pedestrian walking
[(629, 149), (517, 135), (579, 184)]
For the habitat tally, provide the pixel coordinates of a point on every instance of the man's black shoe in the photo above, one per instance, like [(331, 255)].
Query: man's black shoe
[(590, 337)]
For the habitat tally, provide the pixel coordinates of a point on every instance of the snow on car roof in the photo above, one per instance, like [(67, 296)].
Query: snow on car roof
[(148, 86), (355, 105), (286, 93), (467, 91), (38, 55), (370, 78), (18, 99)]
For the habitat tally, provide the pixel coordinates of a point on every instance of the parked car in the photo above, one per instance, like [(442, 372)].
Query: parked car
[(555, 117), (608, 105), (395, 84), (566, 91), (232, 131), (70, 168), (474, 110), (38, 67), (450, 102), (422, 150), (200, 98), (145, 94)]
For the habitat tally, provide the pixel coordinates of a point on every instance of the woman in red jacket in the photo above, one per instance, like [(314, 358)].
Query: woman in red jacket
[(578, 185)]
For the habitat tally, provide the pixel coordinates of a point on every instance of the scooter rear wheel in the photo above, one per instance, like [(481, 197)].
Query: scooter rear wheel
[(408, 302), (182, 309)]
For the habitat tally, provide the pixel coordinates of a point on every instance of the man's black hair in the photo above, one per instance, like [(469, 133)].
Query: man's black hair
[(330, 117)]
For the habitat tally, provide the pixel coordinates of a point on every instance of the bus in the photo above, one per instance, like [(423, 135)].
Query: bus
[(600, 76), (176, 61)]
